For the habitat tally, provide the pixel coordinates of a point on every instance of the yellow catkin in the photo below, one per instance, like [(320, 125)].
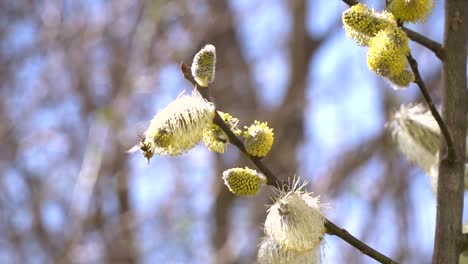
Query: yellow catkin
[(243, 181), (361, 23), (411, 10), (402, 80), (387, 52), (214, 137), (258, 139)]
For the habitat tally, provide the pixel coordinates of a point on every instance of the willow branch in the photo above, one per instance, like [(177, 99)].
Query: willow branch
[(443, 127), (274, 181), (415, 36), (426, 42)]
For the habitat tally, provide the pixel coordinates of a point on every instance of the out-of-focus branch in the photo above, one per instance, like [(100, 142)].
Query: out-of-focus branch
[(272, 180)]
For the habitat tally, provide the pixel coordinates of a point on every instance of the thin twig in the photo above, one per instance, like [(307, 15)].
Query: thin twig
[(443, 127), (333, 229), (426, 42), (415, 36), (272, 180)]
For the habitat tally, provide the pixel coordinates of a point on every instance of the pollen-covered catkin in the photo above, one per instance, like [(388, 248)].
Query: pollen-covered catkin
[(214, 137), (361, 23), (387, 52), (258, 139), (411, 10), (178, 127)]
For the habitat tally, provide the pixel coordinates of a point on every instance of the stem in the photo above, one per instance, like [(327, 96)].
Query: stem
[(272, 180), (443, 127)]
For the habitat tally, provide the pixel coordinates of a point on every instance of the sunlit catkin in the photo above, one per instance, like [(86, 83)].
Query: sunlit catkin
[(295, 220), (203, 65), (178, 127)]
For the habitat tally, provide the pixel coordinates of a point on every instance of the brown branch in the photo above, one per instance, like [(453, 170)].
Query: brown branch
[(415, 36), (333, 229), (426, 42), (443, 127), (274, 181)]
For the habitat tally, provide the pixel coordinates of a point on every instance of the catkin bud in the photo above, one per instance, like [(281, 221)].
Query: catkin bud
[(411, 10), (243, 181), (258, 139), (214, 137), (203, 65), (387, 52), (178, 127), (295, 220), (361, 23), (270, 252)]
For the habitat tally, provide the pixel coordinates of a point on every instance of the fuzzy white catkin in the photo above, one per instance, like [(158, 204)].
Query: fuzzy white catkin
[(270, 252), (418, 136), (295, 221), (180, 126)]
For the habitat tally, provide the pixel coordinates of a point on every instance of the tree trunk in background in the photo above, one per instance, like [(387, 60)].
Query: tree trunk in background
[(447, 245)]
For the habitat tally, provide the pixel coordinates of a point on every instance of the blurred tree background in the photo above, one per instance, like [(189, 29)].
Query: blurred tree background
[(80, 78)]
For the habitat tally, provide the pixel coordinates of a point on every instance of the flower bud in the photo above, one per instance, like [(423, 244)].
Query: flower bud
[(203, 65)]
